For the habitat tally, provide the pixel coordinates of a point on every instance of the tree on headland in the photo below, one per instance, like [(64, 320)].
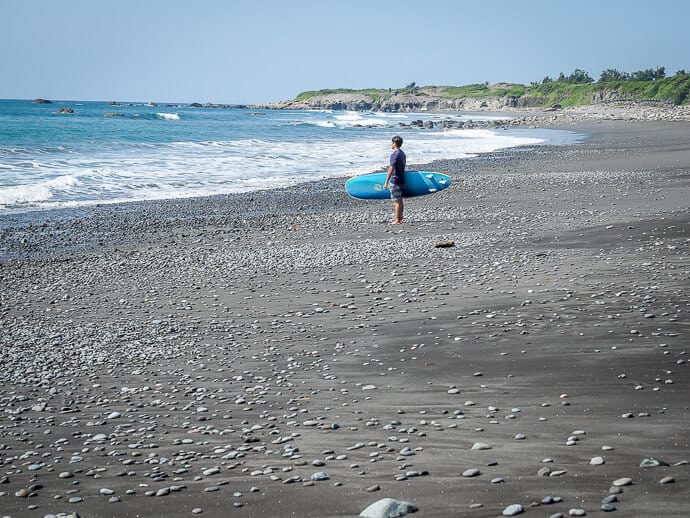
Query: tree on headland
[(648, 75), (651, 74), (578, 77), (611, 74)]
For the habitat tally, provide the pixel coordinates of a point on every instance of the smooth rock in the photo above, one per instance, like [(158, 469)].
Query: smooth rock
[(513, 510), (388, 508), (652, 463)]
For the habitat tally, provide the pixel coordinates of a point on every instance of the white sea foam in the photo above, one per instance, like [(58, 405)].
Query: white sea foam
[(169, 116), (353, 119), (183, 169), (145, 171), (36, 192), (331, 119)]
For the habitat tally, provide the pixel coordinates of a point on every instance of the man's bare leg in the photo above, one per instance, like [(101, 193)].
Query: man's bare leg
[(398, 205)]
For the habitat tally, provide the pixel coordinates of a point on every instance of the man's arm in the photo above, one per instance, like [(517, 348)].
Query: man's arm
[(388, 177)]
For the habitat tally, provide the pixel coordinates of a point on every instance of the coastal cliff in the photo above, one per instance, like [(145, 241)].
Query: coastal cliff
[(428, 99)]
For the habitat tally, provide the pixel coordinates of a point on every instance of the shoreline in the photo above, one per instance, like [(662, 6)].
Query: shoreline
[(287, 352), (167, 210)]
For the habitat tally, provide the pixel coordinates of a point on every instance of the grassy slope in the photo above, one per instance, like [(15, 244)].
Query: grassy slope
[(675, 88)]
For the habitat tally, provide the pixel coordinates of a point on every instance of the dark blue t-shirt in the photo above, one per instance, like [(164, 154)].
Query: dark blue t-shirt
[(398, 160)]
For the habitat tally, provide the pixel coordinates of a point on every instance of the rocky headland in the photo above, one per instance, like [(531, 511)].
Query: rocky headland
[(604, 106)]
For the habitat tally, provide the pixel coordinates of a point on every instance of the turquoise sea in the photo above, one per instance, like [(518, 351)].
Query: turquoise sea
[(103, 153)]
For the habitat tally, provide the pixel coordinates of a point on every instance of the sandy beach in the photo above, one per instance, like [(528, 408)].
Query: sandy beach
[(289, 353)]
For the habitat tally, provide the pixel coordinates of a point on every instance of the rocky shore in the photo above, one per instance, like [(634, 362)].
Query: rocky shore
[(289, 353), (611, 105), (513, 115)]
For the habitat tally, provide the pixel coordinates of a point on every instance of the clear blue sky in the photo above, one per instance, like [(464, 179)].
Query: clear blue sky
[(237, 51)]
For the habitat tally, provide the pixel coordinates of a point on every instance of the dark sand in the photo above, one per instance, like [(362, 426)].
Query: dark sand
[(245, 333)]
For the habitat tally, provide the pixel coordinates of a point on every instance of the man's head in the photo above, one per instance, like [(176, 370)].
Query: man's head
[(397, 141)]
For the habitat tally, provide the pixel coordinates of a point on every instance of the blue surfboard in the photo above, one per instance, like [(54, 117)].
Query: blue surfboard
[(417, 183)]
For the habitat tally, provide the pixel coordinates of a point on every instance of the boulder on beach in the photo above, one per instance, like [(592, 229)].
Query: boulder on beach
[(388, 508)]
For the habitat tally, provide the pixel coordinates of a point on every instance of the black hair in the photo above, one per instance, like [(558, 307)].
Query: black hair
[(397, 141)]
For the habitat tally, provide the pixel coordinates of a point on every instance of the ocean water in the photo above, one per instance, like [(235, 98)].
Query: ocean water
[(51, 160)]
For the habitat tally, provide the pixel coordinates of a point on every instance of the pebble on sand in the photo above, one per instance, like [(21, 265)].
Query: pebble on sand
[(513, 510), (652, 463)]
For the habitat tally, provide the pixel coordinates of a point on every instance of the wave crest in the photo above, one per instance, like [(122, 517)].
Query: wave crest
[(37, 192), (168, 116)]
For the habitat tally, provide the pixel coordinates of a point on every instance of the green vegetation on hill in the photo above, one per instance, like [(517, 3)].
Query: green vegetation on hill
[(578, 88), (483, 90), (373, 93)]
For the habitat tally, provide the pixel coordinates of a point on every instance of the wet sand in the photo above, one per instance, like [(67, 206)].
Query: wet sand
[(221, 356)]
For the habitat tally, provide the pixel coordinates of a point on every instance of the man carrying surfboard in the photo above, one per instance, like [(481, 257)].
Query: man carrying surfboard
[(396, 178)]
